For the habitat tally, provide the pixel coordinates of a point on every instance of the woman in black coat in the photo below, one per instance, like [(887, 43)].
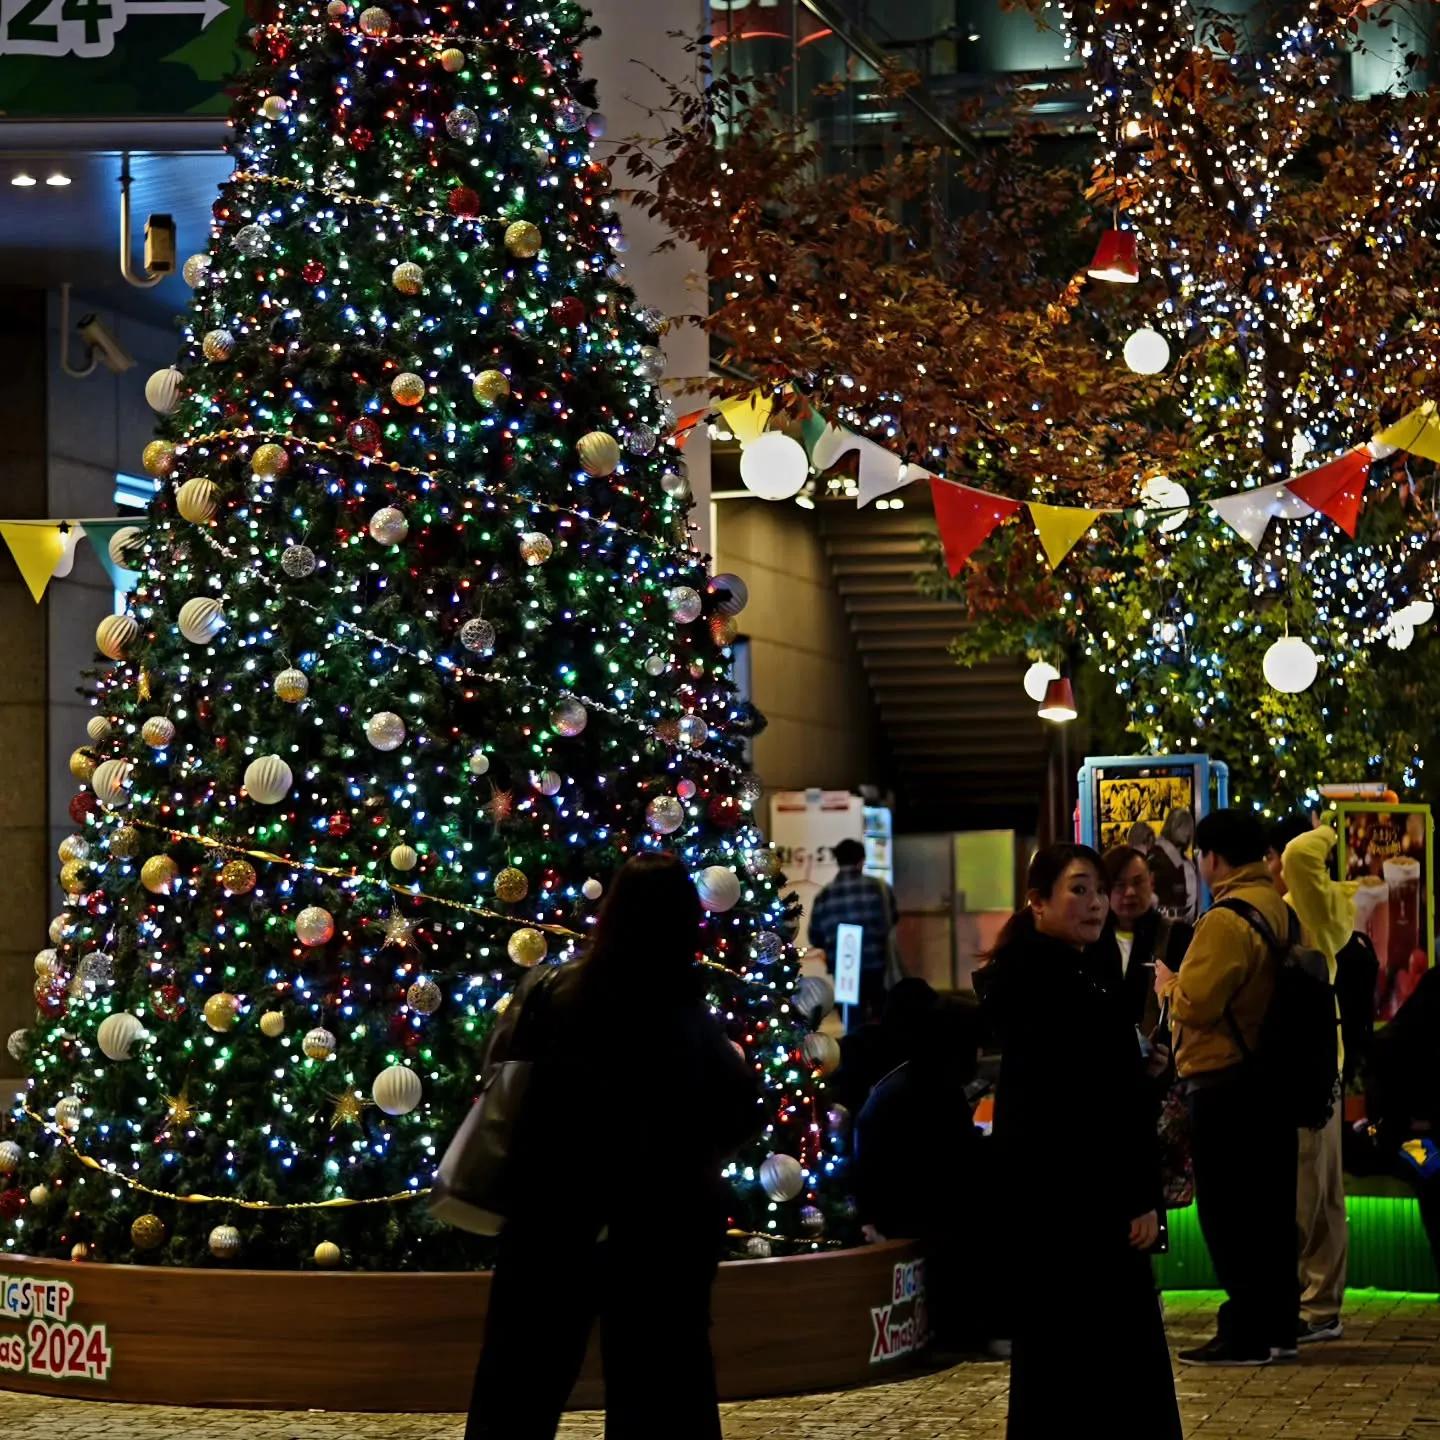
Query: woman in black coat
[(619, 1208), (1075, 1133)]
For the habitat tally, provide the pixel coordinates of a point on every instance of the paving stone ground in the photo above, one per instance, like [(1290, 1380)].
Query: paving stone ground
[(1382, 1382)]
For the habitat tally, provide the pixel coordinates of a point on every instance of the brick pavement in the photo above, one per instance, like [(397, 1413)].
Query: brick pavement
[(1382, 1382)]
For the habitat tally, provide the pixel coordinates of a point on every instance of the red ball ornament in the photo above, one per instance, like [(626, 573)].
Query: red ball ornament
[(338, 825), (312, 272), (361, 139), (50, 1001), (168, 1001), (83, 806), (220, 209), (464, 202), (205, 712), (363, 436), (726, 812), (685, 789), (570, 311), (96, 901), (10, 1202)]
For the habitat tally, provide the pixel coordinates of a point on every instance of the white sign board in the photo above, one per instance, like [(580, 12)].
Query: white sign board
[(805, 828), (849, 946)]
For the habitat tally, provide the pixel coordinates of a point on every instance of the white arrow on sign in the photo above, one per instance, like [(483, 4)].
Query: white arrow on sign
[(211, 10)]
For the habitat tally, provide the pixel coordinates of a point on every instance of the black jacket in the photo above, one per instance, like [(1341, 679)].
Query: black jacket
[(1136, 983), (1074, 1109)]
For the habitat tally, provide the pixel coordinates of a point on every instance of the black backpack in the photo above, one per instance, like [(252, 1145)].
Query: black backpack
[(1296, 1055), (1357, 968)]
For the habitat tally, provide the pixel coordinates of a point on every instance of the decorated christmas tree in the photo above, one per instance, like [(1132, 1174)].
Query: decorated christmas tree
[(418, 656)]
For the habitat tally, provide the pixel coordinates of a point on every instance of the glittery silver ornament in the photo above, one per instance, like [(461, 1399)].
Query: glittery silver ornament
[(461, 123), (423, 996), (762, 862), (767, 946), (757, 1247), (478, 635), (389, 526), (650, 363), (251, 240), (298, 561), (97, 968), (651, 318), (641, 440), (812, 1221), (749, 788), (17, 1045), (685, 604), (694, 732), (619, 241), (664, 814), (547, 782), (569, 717), (675, 485), (656, 665), (385, 730), (615, 273), (196, 268), (337, 177), (569, 117)]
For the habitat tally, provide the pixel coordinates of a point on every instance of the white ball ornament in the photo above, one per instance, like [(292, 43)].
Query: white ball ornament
[(163, 390), (120, 543), (98, 728), (268, 780), (117, 1034), (397, 1090), (592, 889), (197, 500), (17, 1046), (109, 782), (719, 887), (404, 857), (815, 995), (224, 1242), (1290, 665), (10, 1157), (479, 762), (157, 732), (201, 620), (389, 526), (733, 593), (68, 1113), (385, 730), (781, 1177), (314, 925), (773, 466), (1147, 352), (822, 1052), (547, 782), (318, 1044), (115, 634)]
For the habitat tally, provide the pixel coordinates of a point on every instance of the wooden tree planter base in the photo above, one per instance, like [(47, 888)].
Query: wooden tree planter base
[(306, 1340)]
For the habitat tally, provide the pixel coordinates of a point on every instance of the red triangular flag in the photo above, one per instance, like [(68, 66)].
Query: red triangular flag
[(965, 518), (1337, 488)]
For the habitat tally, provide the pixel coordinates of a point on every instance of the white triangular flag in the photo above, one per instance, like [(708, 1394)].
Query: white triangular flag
[(1250, 512)]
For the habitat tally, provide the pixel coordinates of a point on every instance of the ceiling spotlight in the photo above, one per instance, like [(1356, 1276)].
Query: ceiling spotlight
[(57, 178), (22, 179)]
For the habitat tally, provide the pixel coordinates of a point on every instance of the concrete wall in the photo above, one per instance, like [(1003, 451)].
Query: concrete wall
[(805, 673)]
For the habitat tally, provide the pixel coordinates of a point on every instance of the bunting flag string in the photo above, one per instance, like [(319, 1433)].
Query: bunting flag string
[(966, 518), (1060, 529)]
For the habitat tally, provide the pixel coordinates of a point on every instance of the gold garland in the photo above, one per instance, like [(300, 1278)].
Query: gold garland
[(90, 1163), (345, 198)]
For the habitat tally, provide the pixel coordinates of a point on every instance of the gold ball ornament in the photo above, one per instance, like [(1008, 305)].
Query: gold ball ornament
[(79, 1252), (404, 857), (822, 1052), (197, 500), (314, 925), (527, 947), (238, 876), (159, 874), (75, 877), (274, 107), (272, 1024), (292, 686), (158, 458), (423, 996), (218, 345), (69, 1112), (723, 630), (47, 966), (40, 1196), (147, 1232), (83, 763), (599, 453), (74, 847), (511, 886), (224, 1242), (523, 240), (408, 278), (318, 1044), (536, 548), (452, 61), (157, 732), (407, 388), (222, 1011), (374, 21), (490, 387), (124, 842), (115, 634), (270, 460), (328, 1256)]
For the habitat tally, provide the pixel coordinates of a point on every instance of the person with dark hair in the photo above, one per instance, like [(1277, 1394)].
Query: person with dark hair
[(873, 1050), (1137, 934), (1173, 867), (1244, 1152), (855, 898), (577, 1236), (921, 1171), (1065, 1035)]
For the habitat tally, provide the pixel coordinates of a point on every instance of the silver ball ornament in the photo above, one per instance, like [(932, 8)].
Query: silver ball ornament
[(478, 636), (656, 665), (569, 717), (641, 439), (314, 925), (461, 123), (251, 240), (298, 561), (685, 604), (664, 814), (385, 730), (781, 1177), (389, 526), (650, 363), (224, 1242), (592, 889)]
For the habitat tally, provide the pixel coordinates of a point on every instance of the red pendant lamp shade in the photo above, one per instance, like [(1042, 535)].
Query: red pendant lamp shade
[(1116, 259), (1059, 703)]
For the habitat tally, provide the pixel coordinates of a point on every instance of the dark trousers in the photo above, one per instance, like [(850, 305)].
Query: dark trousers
[(652, 1294), (1246, 1160)]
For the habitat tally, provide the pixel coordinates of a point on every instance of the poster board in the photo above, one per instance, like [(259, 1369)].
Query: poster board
[(805, 828), (1390, 850), (1153, 803)]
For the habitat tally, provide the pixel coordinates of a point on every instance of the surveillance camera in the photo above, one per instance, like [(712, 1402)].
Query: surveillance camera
[(112, 354), (160, 245)]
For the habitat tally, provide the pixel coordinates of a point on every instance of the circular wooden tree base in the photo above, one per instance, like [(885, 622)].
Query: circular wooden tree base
[(259, 1339)]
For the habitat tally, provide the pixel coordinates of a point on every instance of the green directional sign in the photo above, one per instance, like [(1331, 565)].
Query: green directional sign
[(118, 58)]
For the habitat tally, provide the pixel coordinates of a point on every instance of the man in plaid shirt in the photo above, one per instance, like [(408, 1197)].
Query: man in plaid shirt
[(855, 898)]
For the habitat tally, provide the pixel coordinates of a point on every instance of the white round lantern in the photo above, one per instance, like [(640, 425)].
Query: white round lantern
[(781, 1177), (719, 887), (1147, 352), (397, 1090), (117, 1034), (268, 780), (109, 781), (773, 466), (1162, 493), (1415, 614), (1038, 678), (1290, 665), (201, 620), (162, 391)]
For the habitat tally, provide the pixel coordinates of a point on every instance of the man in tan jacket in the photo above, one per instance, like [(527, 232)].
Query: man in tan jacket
[(1245, 1157)]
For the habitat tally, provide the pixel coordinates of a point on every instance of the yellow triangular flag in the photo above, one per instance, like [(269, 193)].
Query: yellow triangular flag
[(748, 416), (1059, 528), (37, 549), (1418, 433)]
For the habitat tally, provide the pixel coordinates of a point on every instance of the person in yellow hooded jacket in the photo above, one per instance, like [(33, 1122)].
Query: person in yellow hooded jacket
[(1244, 1154), (1300, 861)]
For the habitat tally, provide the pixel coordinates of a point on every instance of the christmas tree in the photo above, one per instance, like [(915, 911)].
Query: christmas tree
[(418, 656)]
